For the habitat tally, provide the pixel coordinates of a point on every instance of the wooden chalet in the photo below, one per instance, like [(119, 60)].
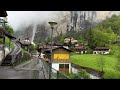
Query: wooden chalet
[(67, 40), (25, 44), (60, 58), (48, 46), (80, 49), (101, 50)]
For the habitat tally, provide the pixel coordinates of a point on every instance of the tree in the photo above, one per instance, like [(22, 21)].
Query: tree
[(83, 74), (100, 36), (9, 29)]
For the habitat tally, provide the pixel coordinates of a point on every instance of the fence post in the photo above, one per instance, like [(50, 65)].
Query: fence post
[(57, 75)]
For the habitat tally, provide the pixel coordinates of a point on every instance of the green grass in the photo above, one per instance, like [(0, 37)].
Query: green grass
[(111, 74), (23, 61), (92, 61), (0, 40), (7, 42)]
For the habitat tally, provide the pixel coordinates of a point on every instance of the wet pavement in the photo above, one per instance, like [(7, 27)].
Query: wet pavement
[(9, 72)]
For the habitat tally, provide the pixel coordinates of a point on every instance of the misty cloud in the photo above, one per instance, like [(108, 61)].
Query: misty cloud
[(19, 19)]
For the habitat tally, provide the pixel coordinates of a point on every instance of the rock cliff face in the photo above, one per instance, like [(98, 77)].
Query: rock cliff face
[(67, 21), (79, 20)]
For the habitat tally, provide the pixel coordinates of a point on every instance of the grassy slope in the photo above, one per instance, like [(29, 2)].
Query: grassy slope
[(91, 60)]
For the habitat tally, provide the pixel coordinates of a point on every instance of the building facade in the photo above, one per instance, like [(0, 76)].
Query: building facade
[(80, 49), (60, 59), (101, 50)]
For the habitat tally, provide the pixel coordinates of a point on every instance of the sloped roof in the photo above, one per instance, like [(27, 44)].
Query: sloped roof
[(24, 42), (54, 48), (101, 48)]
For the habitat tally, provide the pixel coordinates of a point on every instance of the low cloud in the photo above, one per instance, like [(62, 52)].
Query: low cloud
[(19, 19)]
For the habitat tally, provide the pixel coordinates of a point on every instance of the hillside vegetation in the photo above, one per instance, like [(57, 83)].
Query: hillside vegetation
[(103, 35)]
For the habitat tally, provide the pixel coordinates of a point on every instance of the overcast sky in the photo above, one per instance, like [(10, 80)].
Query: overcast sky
[(24, 18), (17, 18)]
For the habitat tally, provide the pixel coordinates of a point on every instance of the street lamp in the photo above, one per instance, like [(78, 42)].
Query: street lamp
[(52, 24)]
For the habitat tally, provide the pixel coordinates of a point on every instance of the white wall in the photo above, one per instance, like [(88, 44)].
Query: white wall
[(56, 66), (74, 70), (81, 52), (69, 67), (102, 52), (6, 51), (1, 55)]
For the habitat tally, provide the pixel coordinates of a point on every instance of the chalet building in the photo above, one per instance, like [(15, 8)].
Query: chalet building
[(67, 40), (80, 49), (101, 50), (61, 45), (25, 44), (60, 58), (48, 46)]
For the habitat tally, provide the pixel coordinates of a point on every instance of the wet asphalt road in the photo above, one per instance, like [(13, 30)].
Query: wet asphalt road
[(8, 72)]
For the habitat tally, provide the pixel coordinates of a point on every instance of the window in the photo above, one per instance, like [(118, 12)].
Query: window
[(63, 65), (66, 65)]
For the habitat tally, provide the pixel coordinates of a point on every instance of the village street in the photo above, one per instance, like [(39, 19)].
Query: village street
[(9, 72)]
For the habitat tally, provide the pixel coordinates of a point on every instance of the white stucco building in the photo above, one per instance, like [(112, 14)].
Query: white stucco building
[(101, 50)]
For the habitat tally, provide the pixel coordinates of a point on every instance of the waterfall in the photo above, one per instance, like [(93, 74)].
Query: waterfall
[(34, 30)]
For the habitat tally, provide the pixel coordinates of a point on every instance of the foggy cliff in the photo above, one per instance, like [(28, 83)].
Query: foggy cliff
[(36, 25)]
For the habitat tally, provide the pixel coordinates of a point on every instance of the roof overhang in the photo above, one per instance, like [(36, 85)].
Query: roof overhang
[(3, 13)]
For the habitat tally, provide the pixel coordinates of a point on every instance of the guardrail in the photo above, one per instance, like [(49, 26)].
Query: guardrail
[(16, 58), (54, 74)]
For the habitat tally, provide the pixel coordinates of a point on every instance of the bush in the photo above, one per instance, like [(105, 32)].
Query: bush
[(90, 51), (83, 74), (70, 75), (25, 55)]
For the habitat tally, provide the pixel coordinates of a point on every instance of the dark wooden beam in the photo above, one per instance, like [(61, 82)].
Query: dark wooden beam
[(3, 13)]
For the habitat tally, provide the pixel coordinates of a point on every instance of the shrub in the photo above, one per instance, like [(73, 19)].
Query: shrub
[(25, 55), (83, 74)]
